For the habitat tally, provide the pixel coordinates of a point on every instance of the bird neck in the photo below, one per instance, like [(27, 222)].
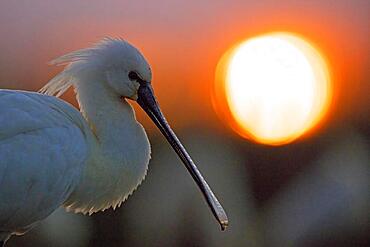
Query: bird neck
[(110, 117), (120, 154)]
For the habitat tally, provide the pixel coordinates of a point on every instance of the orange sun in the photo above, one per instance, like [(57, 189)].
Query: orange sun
[(276, 87)]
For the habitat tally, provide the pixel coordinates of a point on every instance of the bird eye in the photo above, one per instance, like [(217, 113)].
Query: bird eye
[(133, 76)]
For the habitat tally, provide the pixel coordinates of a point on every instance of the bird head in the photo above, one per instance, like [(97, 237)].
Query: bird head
[(118, 65), (126, 69)]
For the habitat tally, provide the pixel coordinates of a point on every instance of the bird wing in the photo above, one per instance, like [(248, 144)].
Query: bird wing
[(43, 149)]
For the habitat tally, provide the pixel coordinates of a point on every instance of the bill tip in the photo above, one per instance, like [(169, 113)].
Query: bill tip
[(224, 224)]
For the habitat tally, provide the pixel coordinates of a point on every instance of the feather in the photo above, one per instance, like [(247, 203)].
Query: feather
[(104, 54)]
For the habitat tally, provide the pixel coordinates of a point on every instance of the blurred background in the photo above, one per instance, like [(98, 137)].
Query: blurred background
[(311, 192)]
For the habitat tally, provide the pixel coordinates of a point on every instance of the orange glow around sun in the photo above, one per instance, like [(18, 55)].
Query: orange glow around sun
[(276, 87)]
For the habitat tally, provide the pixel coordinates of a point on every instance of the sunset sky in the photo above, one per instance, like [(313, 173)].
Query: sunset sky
[(183, 41), (286, 195)]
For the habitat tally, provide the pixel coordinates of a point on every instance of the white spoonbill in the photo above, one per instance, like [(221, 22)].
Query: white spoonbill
[(52, 155)]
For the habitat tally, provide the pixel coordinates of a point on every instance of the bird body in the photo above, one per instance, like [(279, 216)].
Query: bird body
[(42, 154), (51, 154), (63, 159)]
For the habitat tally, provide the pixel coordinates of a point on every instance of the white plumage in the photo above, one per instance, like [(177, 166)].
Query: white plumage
[(43, 149), (51, 154)]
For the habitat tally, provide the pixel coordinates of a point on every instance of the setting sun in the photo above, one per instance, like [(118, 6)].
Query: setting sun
[(276, 87)]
